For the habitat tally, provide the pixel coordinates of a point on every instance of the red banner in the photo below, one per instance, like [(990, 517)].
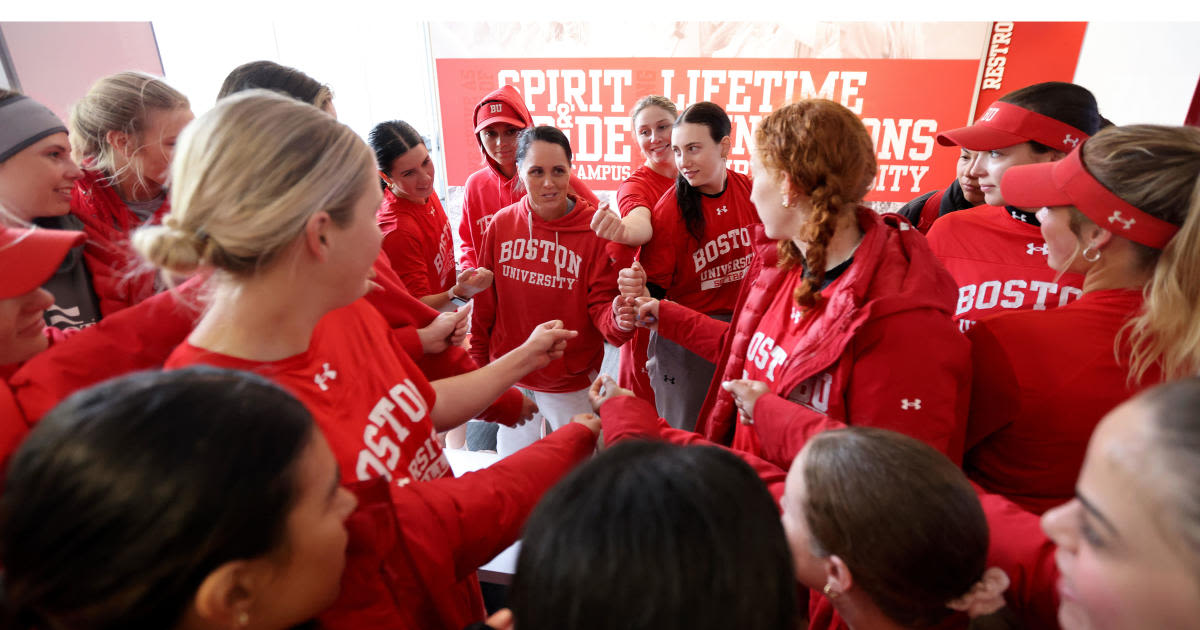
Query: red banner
[(1024, 53), (902, 102)]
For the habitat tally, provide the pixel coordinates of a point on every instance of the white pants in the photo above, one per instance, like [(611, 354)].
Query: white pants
[(554, 410)]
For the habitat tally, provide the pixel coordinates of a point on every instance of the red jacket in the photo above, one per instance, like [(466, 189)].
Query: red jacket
[(1043, 380), (413, 552), (881, 351), (1017, 544), (119, 276), (705, 274), (488, 190), (998, 262), (547, 270), (418, 243)]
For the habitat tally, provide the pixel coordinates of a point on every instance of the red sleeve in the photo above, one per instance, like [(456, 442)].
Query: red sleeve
[(483, 308), (467, 234), (631, 418), (602, 290), (658, 254), (633, 194), (582, 191), (695, 331), (482, 512), (453, 361), (891, 365), (995, 395), (1022, 550), (405, 252), (137, 338)]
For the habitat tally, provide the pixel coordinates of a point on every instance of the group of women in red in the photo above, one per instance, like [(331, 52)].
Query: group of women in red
[(927, 419)]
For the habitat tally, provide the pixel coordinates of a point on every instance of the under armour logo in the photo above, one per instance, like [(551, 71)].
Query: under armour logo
[(1018, 216), (1115, 217), (1030, 248), (328, 374), (496, 108), (795, 315), (668, 379), (722, 210), (907, 404), (989, 114), (1071, 141)]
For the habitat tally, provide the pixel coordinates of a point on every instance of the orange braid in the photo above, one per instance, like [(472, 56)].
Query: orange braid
[(825, 152)]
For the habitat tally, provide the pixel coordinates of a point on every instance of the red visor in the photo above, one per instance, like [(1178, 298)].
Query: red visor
[(30, 256), (1005, 124), (493, 112), (1067, 183)]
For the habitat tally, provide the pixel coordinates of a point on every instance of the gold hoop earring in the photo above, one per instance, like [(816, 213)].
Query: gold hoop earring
[(1093, 257), (829, 592)]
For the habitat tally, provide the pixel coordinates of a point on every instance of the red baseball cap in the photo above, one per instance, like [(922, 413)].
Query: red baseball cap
[(30, 256), (1005, 124), (1067, 182), (492, 112)]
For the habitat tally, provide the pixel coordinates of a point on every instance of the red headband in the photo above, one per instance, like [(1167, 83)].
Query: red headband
[(1005, 124), (1068, 183)]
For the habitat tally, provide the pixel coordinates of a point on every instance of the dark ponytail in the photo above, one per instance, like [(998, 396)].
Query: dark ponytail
[(127, 495), (687, 196)]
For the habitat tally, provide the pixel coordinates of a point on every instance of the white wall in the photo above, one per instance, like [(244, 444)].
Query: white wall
[(1141, 72), (375, 74)]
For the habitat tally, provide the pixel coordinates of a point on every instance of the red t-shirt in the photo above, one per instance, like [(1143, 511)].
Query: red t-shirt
[(364, 392), (999, 263), (703, 275), (418, 243), (1042, 381), (643, 188)]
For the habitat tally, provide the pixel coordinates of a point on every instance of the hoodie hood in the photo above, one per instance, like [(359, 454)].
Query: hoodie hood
[(510, 99)]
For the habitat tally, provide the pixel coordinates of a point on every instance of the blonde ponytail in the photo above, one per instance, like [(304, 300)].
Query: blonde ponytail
[(246, 177)]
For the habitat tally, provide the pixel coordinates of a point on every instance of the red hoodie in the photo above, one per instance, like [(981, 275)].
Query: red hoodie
[(418, 243), (880, 350), (1017, 544), (488, 190), (547, 270), (119, 276)]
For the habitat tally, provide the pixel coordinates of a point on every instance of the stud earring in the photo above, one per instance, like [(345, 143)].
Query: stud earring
[(829, 592), (786, 203)]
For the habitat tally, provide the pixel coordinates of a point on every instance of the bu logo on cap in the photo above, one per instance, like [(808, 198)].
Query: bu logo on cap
[(989, 114), (1071, 141), (1115, 217), (1030, 248), (496, 108)]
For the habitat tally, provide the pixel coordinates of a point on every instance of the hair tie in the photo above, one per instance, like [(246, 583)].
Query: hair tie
[(985, 597)]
